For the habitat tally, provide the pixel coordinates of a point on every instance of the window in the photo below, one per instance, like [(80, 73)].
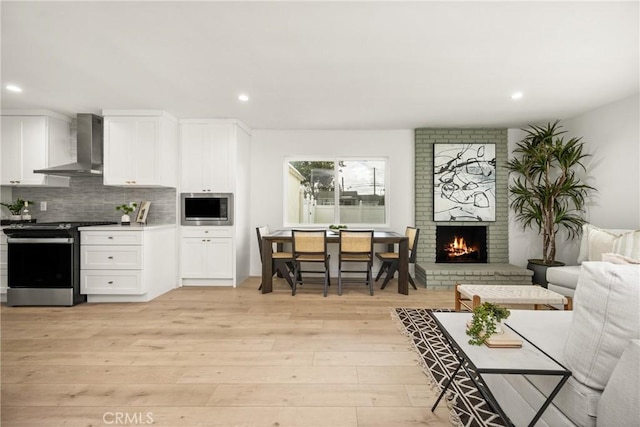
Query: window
[(335, 191)]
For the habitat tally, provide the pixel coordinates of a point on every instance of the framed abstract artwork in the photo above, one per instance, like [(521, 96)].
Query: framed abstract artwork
[(464, 182)]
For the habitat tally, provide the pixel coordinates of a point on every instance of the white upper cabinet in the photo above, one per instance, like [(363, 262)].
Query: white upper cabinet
[(140, 148), (208, 156), (34, 141)]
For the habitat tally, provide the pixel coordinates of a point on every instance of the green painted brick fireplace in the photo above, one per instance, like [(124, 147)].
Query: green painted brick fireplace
[(497, 270)]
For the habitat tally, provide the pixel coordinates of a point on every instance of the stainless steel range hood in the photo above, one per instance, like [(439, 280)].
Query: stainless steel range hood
[(89, 150)]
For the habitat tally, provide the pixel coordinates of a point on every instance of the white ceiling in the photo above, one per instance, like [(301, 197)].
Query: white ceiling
[(323, 65)]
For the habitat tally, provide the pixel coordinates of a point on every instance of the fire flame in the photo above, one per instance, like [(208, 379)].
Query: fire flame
[(458, 247)]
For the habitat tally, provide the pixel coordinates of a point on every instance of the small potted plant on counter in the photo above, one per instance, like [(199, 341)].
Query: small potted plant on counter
[(486, 322), (126, 209), (15, 208)]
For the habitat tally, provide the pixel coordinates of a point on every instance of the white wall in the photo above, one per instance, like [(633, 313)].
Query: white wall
[(612, 136), (270, 147)]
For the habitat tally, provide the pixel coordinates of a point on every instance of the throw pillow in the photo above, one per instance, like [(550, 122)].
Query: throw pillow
[(605, 318), (600, 242), (628, 244), (619, 259), (584, 242)]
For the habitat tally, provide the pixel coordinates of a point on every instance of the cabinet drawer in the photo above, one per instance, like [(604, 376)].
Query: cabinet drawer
[(110, 282), (111, 237), (206, 232), (111, 257)]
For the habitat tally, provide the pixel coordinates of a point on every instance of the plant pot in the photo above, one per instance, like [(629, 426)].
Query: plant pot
[(15, 217), (125, 220), (540, 271)]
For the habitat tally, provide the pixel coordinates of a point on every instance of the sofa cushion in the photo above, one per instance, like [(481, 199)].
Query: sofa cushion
[(520, 400), (575, 401), (602, 242), (605, 318), (618, 405), (628, 244), (564, 276), (619, 259)]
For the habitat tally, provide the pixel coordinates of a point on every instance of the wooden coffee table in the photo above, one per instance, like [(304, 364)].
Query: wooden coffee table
[(471, 296)]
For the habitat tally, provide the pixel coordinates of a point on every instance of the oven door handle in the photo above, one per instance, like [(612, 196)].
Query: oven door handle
[(63, 240)]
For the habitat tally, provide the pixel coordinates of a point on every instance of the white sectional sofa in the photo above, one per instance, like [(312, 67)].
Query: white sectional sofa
[(599, 342), (614, 244)]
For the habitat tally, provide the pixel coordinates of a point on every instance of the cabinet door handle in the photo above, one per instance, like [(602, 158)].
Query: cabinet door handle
[(110, 237), (110, 257), (110, 282)]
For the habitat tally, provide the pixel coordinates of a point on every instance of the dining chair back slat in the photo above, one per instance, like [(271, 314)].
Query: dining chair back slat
[(356, 246), (310, 246)]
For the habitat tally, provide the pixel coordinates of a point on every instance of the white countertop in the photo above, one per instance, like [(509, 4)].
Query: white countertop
[(132, 227)]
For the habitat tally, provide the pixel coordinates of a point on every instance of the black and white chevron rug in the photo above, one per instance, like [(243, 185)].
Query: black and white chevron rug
[(468, 407)]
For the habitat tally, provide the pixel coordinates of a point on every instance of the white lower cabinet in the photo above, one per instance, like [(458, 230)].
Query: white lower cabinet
[(120, 263), (112, 257), (109, 282), (206, 256)]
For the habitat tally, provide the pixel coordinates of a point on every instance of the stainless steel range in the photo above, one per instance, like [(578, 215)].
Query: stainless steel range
[(44, 263)]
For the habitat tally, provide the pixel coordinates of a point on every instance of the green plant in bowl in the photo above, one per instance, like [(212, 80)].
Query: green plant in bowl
[(337, 226), (127, 208), (484, 322)]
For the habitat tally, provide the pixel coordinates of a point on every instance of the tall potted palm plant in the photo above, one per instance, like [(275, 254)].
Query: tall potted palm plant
[(546, 194)]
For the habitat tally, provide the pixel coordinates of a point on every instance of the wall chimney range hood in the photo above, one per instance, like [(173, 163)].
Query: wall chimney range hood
[(89, 150)]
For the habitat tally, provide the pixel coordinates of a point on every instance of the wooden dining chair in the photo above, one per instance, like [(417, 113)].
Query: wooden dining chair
[(390, 259), (281, 262), (355, 246), (310, 246)]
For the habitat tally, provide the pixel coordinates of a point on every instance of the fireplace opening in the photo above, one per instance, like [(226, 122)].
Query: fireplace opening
[(461, 244)]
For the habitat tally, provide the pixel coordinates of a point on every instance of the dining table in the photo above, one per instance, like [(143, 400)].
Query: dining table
[(390, 238)]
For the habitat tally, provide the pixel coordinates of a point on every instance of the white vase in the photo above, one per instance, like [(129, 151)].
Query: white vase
[(125, 220)]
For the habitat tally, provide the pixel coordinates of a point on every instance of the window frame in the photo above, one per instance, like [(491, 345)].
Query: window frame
[(336, 214)]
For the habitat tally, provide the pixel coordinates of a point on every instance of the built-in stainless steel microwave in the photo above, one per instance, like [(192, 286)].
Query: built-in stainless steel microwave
[(206, 208)]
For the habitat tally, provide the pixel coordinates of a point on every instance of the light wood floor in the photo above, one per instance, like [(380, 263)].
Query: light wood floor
[(219, 356)]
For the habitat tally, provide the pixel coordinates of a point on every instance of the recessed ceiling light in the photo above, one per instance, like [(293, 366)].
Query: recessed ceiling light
[(243, 97), (516, 95), (13, 88)]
